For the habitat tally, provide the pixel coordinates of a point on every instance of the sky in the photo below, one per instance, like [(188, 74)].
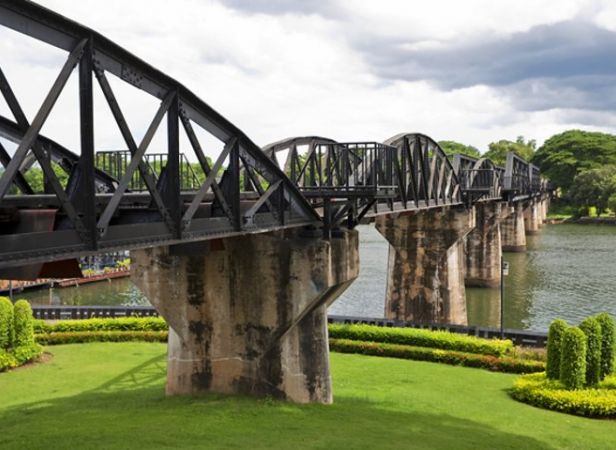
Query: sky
[(473, 71)]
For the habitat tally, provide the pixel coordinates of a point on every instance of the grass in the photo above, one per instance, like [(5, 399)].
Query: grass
[(110, 395)]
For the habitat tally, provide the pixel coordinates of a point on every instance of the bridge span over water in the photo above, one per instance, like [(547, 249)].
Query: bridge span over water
[(240, 248)]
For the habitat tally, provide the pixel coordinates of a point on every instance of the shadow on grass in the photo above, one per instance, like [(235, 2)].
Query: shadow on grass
[(131, 411)]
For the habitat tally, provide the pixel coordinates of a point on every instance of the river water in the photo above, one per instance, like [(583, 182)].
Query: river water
[(568, 272)]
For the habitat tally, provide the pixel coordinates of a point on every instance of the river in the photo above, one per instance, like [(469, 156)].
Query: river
[(568, 272)]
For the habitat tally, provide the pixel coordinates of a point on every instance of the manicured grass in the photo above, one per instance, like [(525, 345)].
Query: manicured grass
[(110, 395)]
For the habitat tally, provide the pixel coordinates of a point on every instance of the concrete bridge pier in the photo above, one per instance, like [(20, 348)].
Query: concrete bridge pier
[(483, 247), (532, 220), (425, 281), (513, 234), (248, 314)]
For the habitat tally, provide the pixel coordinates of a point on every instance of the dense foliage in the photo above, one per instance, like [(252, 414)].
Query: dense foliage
[(24, 330), (563, 156), (592, 330), (79, 337), (490, 362), (6, 323), (538, 390), (497, 151), (17, 344), (421, 338), (555, 333), (453, 147), (593, 188), (119, 324), (608, 331), (573, 358)]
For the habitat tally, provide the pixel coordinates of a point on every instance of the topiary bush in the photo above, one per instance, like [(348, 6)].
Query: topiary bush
[(552, 368), (608, 332), (592, 330), (23, 324), (573, 358), (422, 338), (6, 323)]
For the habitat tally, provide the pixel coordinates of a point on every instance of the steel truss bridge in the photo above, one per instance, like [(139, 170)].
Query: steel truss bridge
[(136, 198)]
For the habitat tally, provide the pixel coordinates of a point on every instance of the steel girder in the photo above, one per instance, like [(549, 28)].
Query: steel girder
[(84, 224)]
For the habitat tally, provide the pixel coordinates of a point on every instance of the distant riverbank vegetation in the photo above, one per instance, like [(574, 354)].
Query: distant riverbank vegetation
[(581, 165)]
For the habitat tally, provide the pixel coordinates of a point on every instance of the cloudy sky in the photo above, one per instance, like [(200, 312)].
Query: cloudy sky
[(474, 71)]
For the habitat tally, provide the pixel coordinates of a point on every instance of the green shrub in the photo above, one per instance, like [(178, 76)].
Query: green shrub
[(421, 338), (119, 324), (6, 323), (27, 352), (555, 333), (592, 211), (592, 330), (23, 323), (7, 360), (538, 390), (78, 337), (607, 343), (490, 362), (573, 358)]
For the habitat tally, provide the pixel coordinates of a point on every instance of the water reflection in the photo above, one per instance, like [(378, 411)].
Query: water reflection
[(568, 271), (120, 291)]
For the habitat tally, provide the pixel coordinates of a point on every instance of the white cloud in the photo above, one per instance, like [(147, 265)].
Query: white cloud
[(296, 74)]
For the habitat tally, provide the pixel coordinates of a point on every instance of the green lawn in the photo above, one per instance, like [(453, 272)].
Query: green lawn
[(110, 395)]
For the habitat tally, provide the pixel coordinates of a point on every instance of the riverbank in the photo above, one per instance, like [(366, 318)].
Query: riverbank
[(74, 401)]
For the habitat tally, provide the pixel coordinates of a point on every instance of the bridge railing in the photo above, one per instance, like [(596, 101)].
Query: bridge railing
[(80, 217), (116, 162)]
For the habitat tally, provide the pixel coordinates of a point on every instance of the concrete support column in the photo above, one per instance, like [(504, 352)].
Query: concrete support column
[(425, 281), (483, 248), (513, 235), (248, 314), (531, 218)]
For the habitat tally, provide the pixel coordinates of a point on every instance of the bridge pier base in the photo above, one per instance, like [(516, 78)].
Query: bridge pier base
[(532, 221), (483, 248), (248, 314), (513, 234), (425, 281)]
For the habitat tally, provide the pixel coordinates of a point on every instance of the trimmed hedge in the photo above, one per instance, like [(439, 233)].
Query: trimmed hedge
[(119, 324), (555, 333), (592, 330), (608, 332), (19, 356), (78, 337), (573, 358), (23, 324), (421, 338), (490, 362), (6, 323), (540, 391)]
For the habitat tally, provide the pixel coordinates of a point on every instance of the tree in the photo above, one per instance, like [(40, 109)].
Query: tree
[(593, 187), (453, 147), (565, 155), (498, 150)]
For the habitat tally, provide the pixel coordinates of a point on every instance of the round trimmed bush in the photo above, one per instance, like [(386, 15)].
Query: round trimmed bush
[(24, 323), (557, 328), (573, 358), (536, 389), (608, 332), (592, 330), (6, 323)]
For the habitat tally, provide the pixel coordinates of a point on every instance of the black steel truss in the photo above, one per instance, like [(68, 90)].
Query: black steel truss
[(91, 219), (142, 199)]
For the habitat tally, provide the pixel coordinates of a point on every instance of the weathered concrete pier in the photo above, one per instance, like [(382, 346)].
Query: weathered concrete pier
[(249, 314)]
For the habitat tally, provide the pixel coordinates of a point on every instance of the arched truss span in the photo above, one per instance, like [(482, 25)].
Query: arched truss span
[(425, 175), (479, 178), (219, 207)]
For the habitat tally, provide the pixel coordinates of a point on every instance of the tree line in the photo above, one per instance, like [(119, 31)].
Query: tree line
[(580, 164)]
